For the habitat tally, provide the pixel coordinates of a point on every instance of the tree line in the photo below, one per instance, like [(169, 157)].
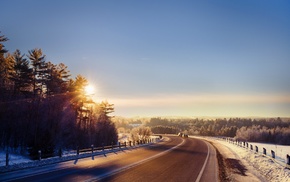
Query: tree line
[(258, 133), (269, 130), (43, 108)]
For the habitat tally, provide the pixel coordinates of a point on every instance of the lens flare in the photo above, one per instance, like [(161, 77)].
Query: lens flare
[(89, 89)]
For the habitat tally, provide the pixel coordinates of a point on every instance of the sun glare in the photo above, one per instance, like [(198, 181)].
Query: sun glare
[(90, 89)]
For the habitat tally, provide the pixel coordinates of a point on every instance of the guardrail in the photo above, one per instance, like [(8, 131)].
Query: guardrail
[(91, 151), (246, 145)]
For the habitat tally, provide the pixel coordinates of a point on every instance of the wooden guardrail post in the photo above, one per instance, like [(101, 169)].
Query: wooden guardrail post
[(125, 144), (273, 154), (112, 145), (39, 155), (288, 159), (264, 151), (7, 157), (119, 145), (92, 146), (59, 152), (78, 150)]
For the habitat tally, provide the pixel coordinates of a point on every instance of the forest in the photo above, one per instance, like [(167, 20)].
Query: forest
[(267, 130), (43, 108)]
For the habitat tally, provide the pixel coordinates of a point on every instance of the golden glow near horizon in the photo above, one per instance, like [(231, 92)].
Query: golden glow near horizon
[(90, 89), (240, 105), (203, 99)]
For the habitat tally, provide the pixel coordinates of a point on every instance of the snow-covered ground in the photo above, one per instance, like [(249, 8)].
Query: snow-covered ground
[(13, 159), (272, 169)]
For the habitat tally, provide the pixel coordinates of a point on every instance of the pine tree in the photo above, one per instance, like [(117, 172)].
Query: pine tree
[(40, 71), (106, 131), (2, 50), (23, 76), (3, 66), (8, 72), (58, 78)]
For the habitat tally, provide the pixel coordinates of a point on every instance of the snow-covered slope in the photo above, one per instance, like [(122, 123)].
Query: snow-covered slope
[(270, 169)]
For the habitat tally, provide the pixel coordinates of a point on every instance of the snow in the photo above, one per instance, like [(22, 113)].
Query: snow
[(13, 159), (272, 169)]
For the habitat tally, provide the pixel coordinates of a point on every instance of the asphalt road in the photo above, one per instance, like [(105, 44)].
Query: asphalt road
[(174, 159)]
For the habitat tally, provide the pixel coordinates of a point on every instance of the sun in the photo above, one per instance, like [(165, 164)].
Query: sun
[(89, 89)]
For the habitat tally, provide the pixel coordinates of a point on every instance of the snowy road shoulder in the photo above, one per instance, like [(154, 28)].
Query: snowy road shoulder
[(257, 167)]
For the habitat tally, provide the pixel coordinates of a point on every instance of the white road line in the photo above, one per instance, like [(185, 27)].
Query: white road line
[(203, 167), (132, 165)]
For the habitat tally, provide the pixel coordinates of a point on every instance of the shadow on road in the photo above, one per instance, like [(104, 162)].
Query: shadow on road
[(76, 161)]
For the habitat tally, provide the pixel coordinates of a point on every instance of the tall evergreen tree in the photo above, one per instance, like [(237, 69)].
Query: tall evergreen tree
[(58, 78), (23, 76), (106, 132), (2, 49), (106, 108), (8, 72), (40, 71), (3, 64), (80, 84)]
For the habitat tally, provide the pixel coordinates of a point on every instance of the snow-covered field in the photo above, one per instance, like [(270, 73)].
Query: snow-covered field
[(272, 169)]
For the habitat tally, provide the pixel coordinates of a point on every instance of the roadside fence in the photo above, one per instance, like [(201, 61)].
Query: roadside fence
[(250, 147), (86, 152)]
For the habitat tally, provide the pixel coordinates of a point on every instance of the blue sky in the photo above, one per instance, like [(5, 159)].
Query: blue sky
[(165, 58)]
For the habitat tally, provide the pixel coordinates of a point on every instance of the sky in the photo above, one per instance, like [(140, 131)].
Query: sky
[(226, 58)]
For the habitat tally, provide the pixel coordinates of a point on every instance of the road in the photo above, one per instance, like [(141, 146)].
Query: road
[(174, 159)]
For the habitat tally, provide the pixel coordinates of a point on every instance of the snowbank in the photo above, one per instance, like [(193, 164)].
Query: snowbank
[(272, 170)]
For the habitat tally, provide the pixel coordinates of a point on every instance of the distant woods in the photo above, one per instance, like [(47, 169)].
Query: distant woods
[(43, 108), (271, 130)]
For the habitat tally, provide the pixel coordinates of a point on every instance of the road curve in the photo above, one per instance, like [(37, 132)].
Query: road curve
[(194, 160), (175, 159)]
